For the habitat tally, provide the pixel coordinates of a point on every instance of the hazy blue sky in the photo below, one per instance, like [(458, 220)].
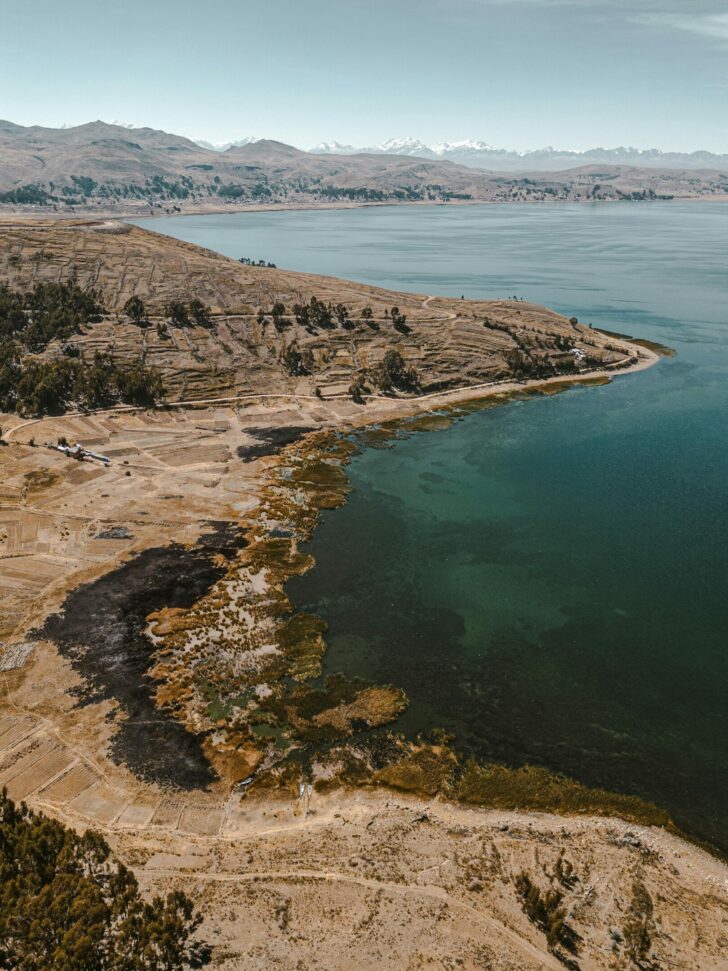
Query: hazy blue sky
[(515, 73)]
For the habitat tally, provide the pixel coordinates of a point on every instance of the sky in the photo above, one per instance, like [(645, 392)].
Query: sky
[(517, 74)]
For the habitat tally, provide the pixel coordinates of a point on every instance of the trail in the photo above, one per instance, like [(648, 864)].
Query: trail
[(444, 315), (437, 893)]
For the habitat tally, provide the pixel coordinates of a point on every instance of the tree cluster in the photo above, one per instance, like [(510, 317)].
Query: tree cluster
[(189, 314), (319, 315), (297, 363), (49, 387), (392, 374), (30, 321), (248, 262), (523, 366), (66, 906), (49, 311)]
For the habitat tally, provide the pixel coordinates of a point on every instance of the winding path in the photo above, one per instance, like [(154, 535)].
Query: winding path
[(445, 314)]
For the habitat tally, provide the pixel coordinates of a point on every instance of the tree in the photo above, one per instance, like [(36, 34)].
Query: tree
[(64, 904), (134, 309), (296, 363), (302, 314), (357, 389), (278, 314), (547, 911), (177, 313), (342, 315), (367, 315), (320, 314), (200, 313), (393, 374), (399, 321)]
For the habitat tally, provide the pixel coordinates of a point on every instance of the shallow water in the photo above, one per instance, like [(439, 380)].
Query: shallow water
[(547, 580)]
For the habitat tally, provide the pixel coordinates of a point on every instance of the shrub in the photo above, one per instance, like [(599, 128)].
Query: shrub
[(295, 362), (200, 313), (134, 309), (177, 313), (547, 911)]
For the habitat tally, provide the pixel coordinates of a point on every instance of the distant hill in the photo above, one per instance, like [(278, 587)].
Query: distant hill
[(100, 167)]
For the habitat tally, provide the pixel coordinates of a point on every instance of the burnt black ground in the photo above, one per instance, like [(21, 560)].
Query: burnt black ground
[(270, 440), (101, 629)]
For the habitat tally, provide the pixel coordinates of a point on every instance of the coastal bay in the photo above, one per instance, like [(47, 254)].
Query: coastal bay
[(228, 738), (554, 571)]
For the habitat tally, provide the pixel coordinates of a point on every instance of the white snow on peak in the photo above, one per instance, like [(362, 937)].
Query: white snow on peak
[(467, 145), (213, 147), (333, 148), (406, 145)]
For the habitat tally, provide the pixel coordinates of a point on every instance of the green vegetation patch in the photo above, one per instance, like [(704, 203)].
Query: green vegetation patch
[(301, 640), (29, 322), (662, 349), (427, 771), (64, 904), (533, 787)]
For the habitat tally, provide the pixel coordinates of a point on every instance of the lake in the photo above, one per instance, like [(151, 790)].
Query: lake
[(547, 580)]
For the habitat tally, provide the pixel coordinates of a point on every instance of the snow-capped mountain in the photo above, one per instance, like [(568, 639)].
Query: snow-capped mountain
[(223, 148), (466, 147), (333, 148), (392, 146), (403, 146), (480, 155)]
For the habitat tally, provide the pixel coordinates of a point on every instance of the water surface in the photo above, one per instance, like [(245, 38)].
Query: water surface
[(546, 580)]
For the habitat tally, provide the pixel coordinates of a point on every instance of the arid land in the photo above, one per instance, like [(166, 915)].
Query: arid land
[(157, 684)]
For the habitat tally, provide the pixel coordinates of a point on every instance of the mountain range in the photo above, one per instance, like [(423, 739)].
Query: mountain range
[(478, 154), (481, 155), (117, 169)]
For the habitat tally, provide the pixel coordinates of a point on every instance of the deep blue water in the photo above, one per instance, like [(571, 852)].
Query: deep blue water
[(547, 580)]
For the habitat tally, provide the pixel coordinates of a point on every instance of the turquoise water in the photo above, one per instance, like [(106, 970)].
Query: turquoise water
[(547, 580)]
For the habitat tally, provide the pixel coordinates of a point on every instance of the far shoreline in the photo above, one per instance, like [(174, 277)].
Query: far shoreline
[(127, 214)]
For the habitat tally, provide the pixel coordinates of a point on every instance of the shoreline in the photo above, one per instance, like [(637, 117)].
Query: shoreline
[(312, 848), (125, 214), (389, 407)]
